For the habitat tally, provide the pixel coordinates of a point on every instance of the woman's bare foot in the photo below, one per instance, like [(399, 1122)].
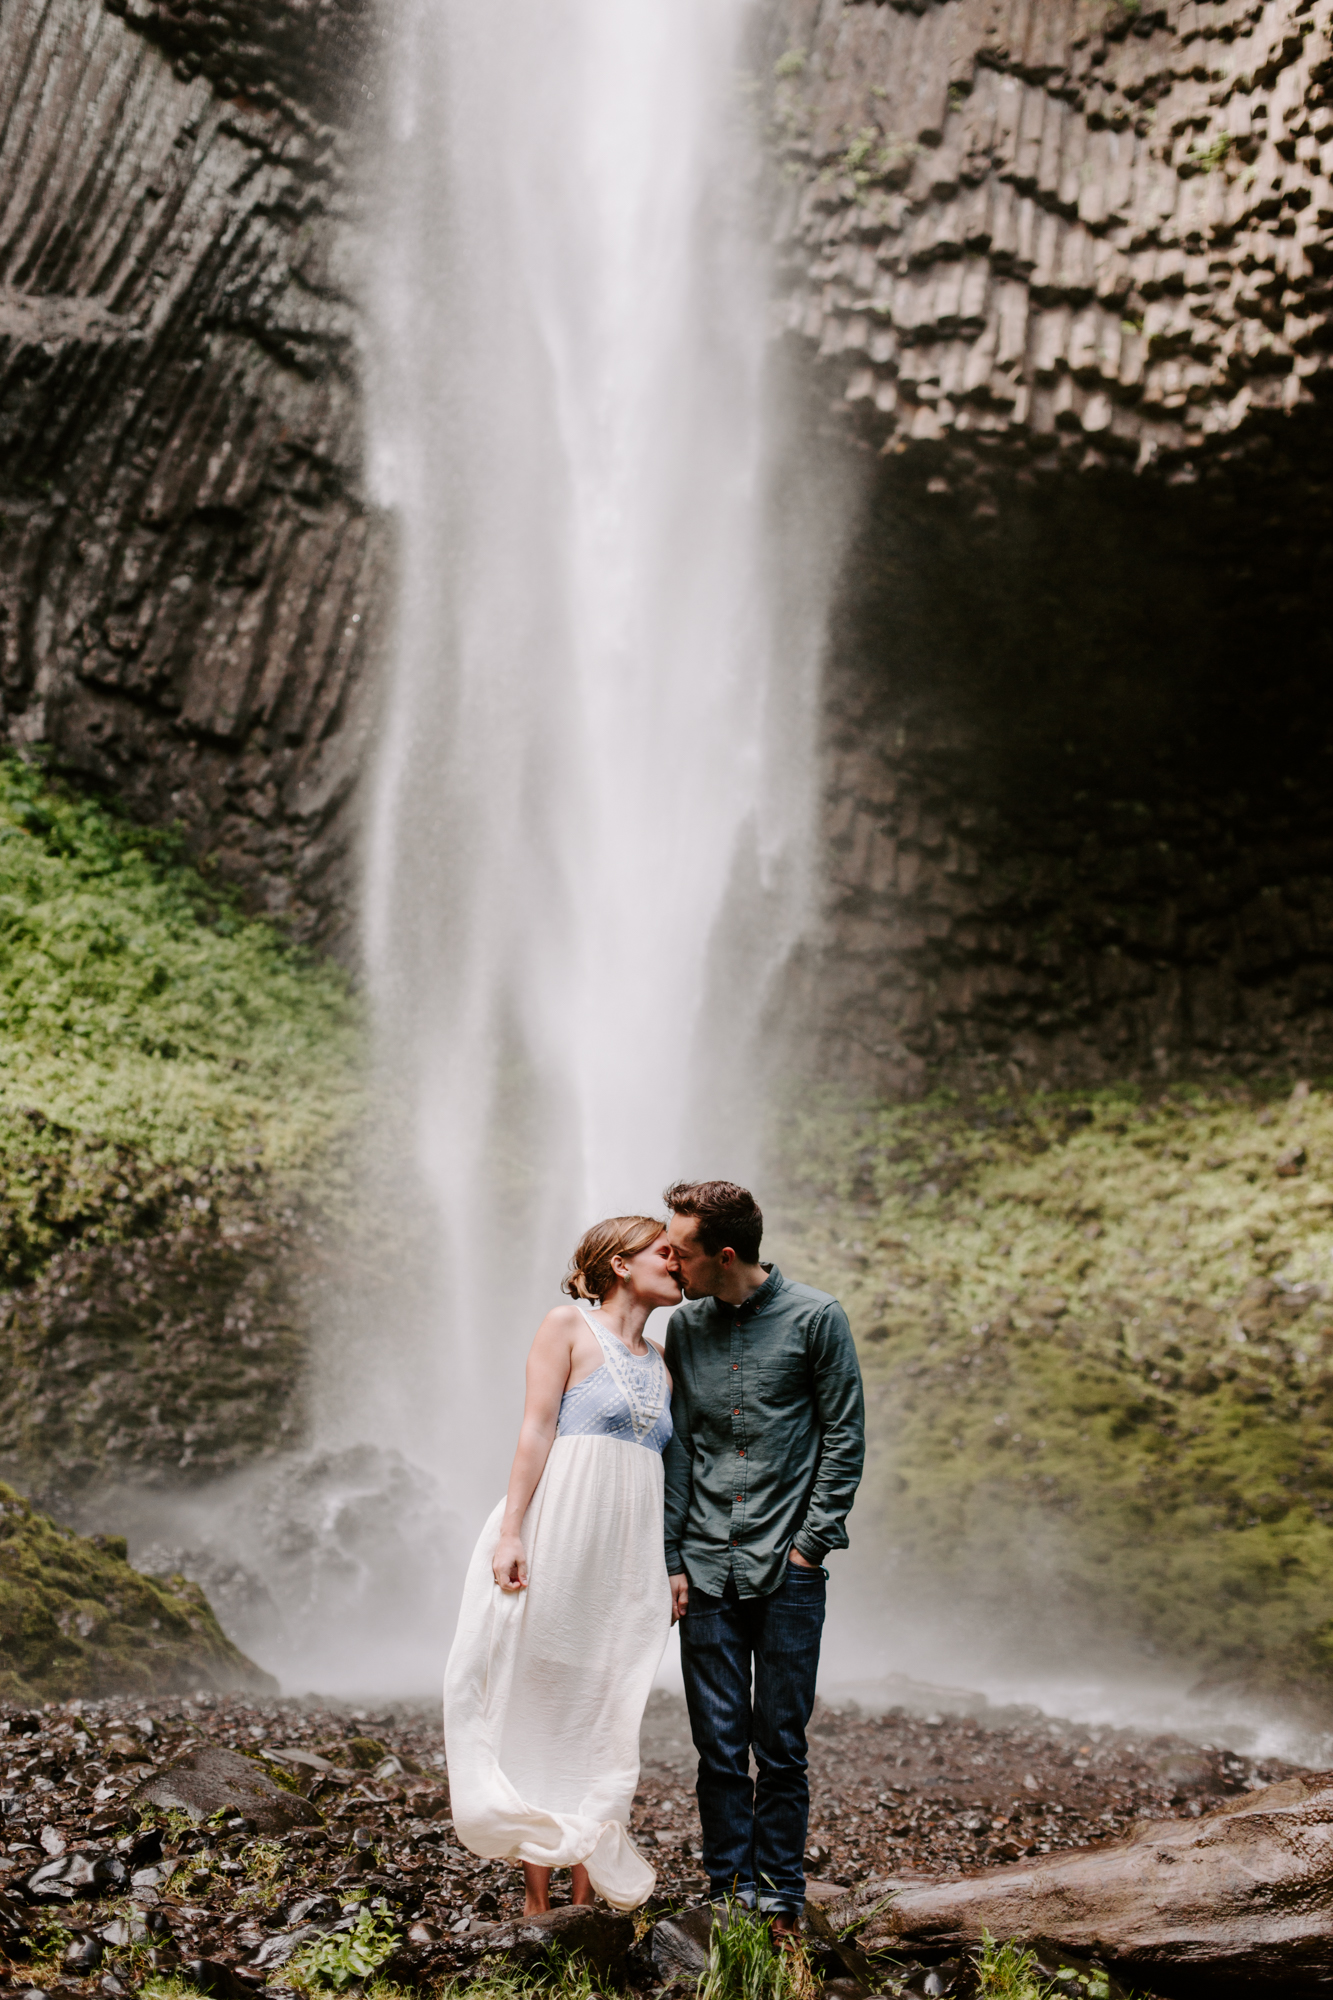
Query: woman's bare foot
[(536, 1889), (583, 1889)]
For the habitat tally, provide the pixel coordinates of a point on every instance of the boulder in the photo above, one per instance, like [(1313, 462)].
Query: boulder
[(600, 1938), (76, 1620), (680, 1943), (1240, 1899), (209, 1779)]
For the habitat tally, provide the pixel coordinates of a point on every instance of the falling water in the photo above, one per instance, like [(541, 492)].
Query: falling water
[(586, 858), (587, 849)]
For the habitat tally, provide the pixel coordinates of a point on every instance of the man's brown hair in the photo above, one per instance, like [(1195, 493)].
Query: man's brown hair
[(729, 1217)]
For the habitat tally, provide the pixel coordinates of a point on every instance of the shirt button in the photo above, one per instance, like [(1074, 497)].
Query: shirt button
[(738, 1496), (736, 1411), (742, 1451)]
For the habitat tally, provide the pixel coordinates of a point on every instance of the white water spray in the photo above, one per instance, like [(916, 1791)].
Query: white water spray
[(587, 852), (588, 846)]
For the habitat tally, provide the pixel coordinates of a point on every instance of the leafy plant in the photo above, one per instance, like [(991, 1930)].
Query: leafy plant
[(346, 1958), (791, 63)]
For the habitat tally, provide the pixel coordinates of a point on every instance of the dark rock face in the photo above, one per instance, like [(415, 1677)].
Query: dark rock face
[(170, 1359), (1065, 269), (189, 574), (1077, 818), (1240, 1897), (1069, 228), (209, 1779)]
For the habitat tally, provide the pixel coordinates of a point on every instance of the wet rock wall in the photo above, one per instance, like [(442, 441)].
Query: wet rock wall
[(191, 579), (1062, 272), (1059, 272)]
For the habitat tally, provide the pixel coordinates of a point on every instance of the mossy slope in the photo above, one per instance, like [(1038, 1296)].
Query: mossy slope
[(175, 1082), (75, 1619), (145, 1027), (1098, 1351)]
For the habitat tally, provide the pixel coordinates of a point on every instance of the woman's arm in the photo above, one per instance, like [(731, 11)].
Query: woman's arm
[(548, 1371)]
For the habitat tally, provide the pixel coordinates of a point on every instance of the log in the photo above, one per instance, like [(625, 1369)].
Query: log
[(1242, 1898)]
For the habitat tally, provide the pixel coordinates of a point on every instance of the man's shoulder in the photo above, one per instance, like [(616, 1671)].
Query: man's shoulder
[(807, 1300), (690, 1316)]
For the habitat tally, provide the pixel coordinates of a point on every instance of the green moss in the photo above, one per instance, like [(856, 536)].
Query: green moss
[(75, 1619), (1098, 1355), (146, 1028)]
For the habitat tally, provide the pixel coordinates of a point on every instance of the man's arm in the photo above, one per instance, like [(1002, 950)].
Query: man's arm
[(840, 1406), (677, 1468)]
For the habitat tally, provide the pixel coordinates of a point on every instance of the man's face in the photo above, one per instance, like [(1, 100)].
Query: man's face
[(698, 1275)]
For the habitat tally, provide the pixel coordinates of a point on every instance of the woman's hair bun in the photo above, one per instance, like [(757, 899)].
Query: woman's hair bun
[(590, 1274)]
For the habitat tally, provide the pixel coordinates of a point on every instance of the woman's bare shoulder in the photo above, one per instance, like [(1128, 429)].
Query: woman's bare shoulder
[(561, 1323)]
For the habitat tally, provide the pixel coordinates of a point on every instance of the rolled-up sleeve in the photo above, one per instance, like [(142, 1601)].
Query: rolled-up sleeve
[(839, 1402)]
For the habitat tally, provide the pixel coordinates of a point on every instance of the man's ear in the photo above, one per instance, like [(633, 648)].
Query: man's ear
[(725, 1257)]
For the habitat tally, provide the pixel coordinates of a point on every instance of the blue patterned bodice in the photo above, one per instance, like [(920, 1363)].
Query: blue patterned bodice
[(627, 1397)]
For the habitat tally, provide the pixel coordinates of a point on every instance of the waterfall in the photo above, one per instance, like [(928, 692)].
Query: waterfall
[(586, 858), (587, 848)]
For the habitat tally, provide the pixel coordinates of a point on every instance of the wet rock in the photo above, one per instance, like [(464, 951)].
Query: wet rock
[(61, 1880), (209, 1779), (84, 1956), (600, 1938), (1239, 1898), (680, 1943), (218, 1981), (276, 1951)]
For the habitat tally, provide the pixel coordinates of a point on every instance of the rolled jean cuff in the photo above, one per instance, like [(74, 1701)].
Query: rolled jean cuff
[(780, 1906)]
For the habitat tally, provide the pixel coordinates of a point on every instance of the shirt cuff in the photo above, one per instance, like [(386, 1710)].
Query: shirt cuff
[(675, 1564), (813, 1552)]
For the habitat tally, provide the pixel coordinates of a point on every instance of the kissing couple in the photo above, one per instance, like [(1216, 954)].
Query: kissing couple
[(702, 1482)]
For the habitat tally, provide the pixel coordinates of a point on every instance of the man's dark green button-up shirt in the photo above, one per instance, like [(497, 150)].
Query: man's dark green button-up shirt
[(768, 1438)]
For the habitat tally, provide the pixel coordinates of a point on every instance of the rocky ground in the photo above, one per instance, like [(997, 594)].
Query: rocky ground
[(351, 1845)]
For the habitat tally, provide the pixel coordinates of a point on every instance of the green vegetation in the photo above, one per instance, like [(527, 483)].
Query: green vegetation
[(75, 1619), (791, 63), (1098, 1357), (147, 1030), (344, 1958), (1211, 154), (1008, 1972), (744, 1965), (872, 157)]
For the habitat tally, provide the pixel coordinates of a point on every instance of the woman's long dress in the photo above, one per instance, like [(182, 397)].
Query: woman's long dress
[(545, 1688)]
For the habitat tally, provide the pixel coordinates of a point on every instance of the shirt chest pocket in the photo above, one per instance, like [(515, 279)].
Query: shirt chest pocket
[(782, 1379)]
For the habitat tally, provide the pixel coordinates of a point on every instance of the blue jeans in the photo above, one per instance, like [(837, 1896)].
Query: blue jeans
[(754, 1830)]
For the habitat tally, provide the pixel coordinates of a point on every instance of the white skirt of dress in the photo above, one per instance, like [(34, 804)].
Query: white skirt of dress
[(545, 1688)]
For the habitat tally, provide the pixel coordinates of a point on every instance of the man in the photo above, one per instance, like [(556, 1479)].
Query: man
[(761, 1471)]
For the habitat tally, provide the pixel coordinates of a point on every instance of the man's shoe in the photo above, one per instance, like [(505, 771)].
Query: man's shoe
[(785, 1930)]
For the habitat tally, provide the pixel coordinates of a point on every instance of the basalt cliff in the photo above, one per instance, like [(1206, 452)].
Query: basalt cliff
[(1057, 274)]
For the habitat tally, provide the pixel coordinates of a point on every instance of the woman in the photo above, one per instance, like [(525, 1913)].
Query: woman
[(566, 1607)]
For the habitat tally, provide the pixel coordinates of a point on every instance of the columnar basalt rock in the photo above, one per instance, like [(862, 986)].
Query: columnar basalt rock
[(1064, 271), (1090, 223), (191, 581)]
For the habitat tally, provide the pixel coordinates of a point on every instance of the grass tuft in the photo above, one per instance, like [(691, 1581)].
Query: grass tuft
[(743, 1963)]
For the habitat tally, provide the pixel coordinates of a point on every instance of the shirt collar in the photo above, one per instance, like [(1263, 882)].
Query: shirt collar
[(756, 1302)]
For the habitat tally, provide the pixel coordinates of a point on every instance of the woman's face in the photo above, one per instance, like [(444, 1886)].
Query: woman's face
[(649, 1278)]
